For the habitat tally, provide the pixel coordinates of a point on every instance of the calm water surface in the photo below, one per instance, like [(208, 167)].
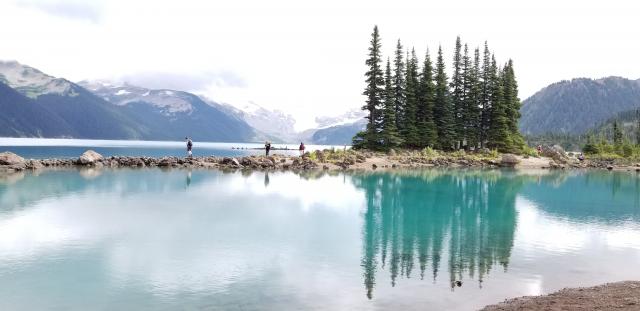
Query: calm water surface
[(206, 240)]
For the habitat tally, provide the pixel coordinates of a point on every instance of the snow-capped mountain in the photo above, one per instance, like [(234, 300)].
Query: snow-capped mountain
[(35, 104), (168, 112), (337, 130), (273, 123), (347, 118), (32, 82), (168, 101)]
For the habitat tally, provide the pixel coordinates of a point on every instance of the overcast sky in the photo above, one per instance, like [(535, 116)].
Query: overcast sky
[(307, 58)]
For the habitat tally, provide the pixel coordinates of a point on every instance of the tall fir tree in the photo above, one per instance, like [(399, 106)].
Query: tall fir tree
[(374, 92), (398, 83), (485, 96), (457, 93), (472, 99), (426, 124), (390, 136), (617, 134), (466, 98), (498, 133), (410, 129), (443, 112), (512, 105)]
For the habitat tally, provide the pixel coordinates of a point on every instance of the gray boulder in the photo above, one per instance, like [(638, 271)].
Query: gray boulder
[(231, 162), (509, 160), (34, 164), (555, 152), (10, 158), (89, 157)]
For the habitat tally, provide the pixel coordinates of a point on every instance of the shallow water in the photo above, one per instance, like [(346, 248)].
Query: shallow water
[(159, 240)]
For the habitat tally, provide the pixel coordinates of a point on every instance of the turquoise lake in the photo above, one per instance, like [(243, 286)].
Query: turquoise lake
[(151, 239)]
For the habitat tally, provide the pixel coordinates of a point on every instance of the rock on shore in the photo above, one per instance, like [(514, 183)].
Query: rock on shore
[(10, 158), (89, 157), (322, 160)]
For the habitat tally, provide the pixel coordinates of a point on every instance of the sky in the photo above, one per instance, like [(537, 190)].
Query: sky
[(307, 58)]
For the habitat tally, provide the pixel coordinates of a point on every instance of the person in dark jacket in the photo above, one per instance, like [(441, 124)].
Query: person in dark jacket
[(301, 148), (267, 147), (189, 147)]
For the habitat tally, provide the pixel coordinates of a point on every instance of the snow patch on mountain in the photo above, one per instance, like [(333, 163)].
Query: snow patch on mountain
[(170, 102), (274, 123), (350, 117), (33, 82)]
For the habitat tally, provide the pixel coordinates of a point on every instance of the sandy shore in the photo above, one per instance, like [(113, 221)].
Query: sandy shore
[(611, 296)]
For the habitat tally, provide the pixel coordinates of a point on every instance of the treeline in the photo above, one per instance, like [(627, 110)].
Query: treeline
[(416, 106), (614, 138)]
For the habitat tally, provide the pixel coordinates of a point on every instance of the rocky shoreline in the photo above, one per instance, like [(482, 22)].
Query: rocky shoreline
[(321, 160), (610, 296)]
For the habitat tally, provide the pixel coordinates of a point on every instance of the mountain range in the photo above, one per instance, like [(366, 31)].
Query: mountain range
[(576, 106), (35, 104)]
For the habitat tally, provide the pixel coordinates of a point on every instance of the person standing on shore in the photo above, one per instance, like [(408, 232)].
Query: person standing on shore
[(301, 148), (267, 147), (189, 147)]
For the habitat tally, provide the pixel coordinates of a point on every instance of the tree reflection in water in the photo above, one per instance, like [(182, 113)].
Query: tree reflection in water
[(412, 218)]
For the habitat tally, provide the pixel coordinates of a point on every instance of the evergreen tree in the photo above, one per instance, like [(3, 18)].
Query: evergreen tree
[(443, 112), (512, 105), (498, 134), (410, 129), (485, 97), (472, 99), (617, 134), (374, 91), (457, 93), (398, 83), (390, 135), (416, 109), (426, 124)]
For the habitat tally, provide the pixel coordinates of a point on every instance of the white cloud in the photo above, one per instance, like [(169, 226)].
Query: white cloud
[(81, 10), (308, 58)]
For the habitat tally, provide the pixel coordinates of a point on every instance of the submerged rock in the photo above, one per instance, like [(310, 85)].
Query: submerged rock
[(89, 157)]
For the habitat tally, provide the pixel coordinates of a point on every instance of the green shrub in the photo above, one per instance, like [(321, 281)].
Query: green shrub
[(591, 148), (428, 152), (627, 150), (459, 153), (526, 150)]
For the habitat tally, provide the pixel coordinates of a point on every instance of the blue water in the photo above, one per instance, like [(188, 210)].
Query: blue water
[(35, 148), (151, 239)]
